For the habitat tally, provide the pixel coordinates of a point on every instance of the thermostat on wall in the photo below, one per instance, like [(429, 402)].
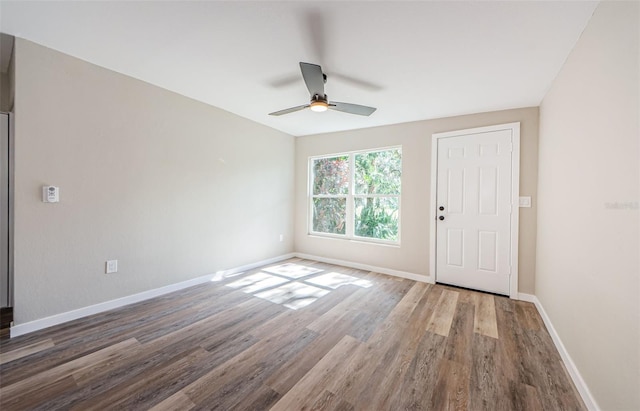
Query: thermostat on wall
[(50, 194)]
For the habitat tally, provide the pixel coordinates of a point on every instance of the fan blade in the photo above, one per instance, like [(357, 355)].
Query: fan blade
[(284, 81), (315, 29), (289, 110), (313, 78), (352, 108), (364, 84)]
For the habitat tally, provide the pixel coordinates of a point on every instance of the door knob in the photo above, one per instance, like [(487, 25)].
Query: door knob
[(441, 218), (441, 208)]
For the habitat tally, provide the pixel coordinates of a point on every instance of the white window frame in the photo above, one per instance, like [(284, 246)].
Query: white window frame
[(349, 234)]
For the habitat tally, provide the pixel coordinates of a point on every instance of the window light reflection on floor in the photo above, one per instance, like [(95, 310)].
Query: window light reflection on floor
[(335, 280), (278, 286), (292, 270), (223, 275), (257, 282)]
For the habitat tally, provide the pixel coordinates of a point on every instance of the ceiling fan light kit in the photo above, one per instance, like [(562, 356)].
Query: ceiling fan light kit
[(314, 78), (319, 105)]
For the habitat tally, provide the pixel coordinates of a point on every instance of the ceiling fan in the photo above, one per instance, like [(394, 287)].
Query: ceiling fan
[(314, 78)]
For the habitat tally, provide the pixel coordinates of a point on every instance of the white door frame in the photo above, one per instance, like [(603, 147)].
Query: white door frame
[(515, 193)]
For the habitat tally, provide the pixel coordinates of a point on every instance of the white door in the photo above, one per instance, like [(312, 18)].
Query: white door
[(473, 210)]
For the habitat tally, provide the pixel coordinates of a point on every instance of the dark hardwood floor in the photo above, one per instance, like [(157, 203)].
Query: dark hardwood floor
[(300, 336)]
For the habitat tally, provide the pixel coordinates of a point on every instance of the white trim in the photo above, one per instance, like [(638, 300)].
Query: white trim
[(581, 386), (530, 298), (433, 208), (56, 319), (515, 206), (367, 267), (515, 193)]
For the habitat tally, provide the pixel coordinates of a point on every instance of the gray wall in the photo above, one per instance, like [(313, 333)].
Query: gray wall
[(4, 92), (413, 254), (172, 188), (588, 274)]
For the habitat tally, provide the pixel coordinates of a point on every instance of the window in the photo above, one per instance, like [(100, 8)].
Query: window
[(357, 195)]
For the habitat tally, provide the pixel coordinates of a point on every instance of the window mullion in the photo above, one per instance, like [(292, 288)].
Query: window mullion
[(350, 201)]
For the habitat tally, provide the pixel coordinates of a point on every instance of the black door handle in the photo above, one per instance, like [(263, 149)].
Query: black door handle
[(441, 208), (441, 218)]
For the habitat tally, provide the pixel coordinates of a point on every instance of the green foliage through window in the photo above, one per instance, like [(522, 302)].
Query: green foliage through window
[(331, 175), (376, 218), (378, 172), (371, 193), (329, 215)]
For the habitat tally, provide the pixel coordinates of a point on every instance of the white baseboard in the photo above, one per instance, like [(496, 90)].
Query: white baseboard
[(21, 329), (381, 270), (530, 298), (581, 386)]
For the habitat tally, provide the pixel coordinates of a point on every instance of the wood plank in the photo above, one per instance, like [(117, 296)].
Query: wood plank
[(419, 381), (36, 397), (489, 388), (177, 402), (261, 399), (20, 391), (283, 323), (512, 343), (385, 385), (85, 341), (572, 400), (528, 316), (452, 387), (236, 381), (382, 297), (440, 322), (526, 397), (225, 384), (329, 401), (144, 392), (290, 373), (311, 385), (383, 345), (18, 353), (133, 367), (484, 321)]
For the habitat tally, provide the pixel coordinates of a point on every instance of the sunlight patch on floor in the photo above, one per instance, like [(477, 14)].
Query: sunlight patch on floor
[(257, 282), (293, 285), (291, 270), (293, 295), (223, 275), (335, 280)]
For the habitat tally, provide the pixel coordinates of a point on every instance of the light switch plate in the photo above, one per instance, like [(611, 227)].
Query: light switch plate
[(525, 201), (112, 266), (50, 194)]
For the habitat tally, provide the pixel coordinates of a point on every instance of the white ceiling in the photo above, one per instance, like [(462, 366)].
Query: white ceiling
[(411, 60)]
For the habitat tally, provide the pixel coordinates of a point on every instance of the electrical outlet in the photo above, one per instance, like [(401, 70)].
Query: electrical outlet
[(281, 237), (112, 266)]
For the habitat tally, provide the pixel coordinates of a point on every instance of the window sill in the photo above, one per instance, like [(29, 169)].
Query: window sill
[(355, 240)]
